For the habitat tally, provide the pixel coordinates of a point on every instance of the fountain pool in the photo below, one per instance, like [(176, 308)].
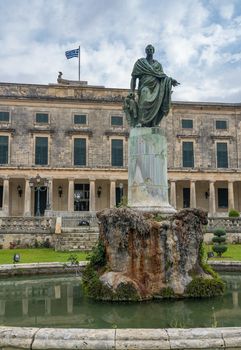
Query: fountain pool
[(59, 302)]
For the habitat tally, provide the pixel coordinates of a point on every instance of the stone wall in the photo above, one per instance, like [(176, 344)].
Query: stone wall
[(117, 339)]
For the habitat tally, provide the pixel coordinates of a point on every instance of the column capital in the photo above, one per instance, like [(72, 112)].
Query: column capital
[(212, 181), (92, 178)]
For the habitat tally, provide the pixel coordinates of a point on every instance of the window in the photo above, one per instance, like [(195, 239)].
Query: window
[(222, 197), (186, 197), (222, 155), (42, 118), (117, 152), (116, 121), (221, 124), (3, 149), (79, 151), (79, 119), (187, 155), (4, 116), (41, 150), (187, 123)]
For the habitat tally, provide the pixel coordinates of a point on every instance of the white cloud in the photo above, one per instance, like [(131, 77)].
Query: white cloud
[(195, 41)]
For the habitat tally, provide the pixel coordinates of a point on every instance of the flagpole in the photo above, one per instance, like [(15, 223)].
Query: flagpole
[(79, 63)]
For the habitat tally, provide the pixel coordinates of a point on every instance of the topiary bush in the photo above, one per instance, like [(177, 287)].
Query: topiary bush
[(233, 213), (219, 241)]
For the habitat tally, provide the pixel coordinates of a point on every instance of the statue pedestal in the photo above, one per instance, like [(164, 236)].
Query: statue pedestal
[(147, 171)]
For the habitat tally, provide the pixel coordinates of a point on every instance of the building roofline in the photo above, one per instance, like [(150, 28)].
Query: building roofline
[(98, 87)]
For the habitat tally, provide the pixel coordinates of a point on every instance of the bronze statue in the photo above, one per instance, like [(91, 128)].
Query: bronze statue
[(154, 92)]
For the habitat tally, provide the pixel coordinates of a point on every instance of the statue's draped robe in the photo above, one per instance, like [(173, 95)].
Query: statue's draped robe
[(154, 91)]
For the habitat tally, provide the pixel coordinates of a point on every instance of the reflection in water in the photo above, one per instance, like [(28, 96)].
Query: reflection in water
[(58, 302)]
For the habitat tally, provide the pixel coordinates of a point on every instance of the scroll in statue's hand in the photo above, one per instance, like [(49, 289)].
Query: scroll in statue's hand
[(175, 82)]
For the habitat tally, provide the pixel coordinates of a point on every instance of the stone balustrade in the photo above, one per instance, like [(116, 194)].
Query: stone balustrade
[(27, 224), (115, 339), (231, 225)]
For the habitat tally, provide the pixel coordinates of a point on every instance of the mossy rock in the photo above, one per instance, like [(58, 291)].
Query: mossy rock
[(94, 288)]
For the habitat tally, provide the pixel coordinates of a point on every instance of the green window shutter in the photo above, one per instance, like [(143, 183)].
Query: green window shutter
[(222, 155), (3, 149), (4, 116), (187, 155), (79, 119), (187, 123), (42, 118), (80, 152), (117, 152), (116, 121), (221, 124), (41, 151)]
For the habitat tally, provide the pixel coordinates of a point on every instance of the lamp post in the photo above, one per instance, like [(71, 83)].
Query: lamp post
[(78, 195), (38, 184)]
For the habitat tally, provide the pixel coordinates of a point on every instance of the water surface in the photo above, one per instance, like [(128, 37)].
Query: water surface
[(59, 302)]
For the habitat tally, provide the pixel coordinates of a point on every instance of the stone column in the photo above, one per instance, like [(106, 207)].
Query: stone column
[(230, 195), (212, 200), (112, 194), (92, 195), (71, 196), (6, 197), (193, 202), (50, 195), (173, 197), (27, 199)]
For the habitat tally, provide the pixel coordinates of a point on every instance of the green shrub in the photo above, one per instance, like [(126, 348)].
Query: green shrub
[(126, 291), (201, 287), (233, 213), (219, 240), (97, 257), (167, 293), (73, 259)]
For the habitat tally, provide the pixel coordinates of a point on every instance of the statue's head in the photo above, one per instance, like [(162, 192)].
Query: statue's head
[(150, 49)]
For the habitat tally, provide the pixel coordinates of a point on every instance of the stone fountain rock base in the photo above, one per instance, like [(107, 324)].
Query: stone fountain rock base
[(141, 256)]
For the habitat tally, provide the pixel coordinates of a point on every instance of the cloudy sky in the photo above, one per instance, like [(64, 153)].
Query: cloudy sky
[(198, 42)]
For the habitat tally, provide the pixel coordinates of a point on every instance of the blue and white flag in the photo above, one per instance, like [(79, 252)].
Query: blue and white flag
[(72, 53)]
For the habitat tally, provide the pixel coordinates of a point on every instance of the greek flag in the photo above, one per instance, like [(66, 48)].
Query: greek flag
[(72, 53)]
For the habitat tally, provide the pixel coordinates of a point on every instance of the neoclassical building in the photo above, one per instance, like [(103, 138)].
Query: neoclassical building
[(63, 148)]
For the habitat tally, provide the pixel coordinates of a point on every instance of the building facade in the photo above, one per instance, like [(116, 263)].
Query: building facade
[(63, 149)]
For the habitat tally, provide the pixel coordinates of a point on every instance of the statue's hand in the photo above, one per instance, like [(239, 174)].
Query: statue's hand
[(175, 82), (132, 94)]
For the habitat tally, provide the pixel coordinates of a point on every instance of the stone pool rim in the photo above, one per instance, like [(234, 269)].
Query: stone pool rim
[(51, 268), (118, 339)]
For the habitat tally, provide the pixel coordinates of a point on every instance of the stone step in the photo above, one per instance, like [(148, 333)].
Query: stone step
[(80, 235), (79, 229)]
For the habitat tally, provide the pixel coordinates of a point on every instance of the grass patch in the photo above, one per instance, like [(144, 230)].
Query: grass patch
[(36, 255), (233, 252)]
